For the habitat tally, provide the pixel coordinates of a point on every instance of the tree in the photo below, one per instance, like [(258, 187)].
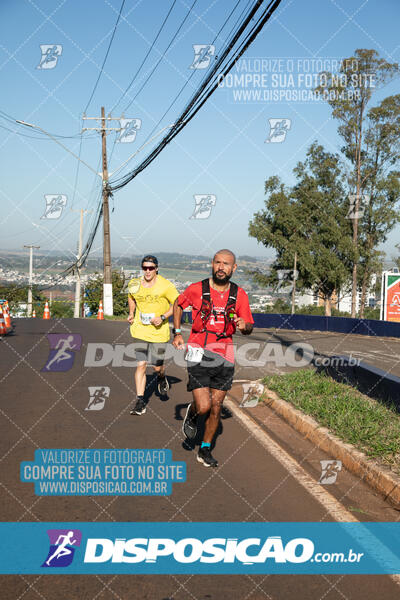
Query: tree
[(349, 94), (308, 219), (94, 293), (381, 184), (17, 295)]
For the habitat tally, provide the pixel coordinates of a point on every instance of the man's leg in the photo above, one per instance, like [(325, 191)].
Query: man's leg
[(140, 382), (140, 378), (217, 398)]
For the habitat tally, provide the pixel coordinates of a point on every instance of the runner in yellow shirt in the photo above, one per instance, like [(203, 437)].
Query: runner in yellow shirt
[(151, 300)]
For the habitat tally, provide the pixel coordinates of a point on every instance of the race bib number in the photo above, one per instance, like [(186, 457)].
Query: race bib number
[(133, 286), (146, 318), (194, 354)]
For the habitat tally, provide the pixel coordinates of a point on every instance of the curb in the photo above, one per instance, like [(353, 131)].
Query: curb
[(378, 477)]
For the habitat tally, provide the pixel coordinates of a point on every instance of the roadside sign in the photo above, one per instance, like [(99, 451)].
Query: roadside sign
[(390, 309)]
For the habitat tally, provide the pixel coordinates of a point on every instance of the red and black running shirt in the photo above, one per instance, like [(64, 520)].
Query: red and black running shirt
[(192, 296)]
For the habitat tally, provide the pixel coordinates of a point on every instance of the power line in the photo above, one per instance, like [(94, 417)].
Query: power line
[(194, 71), (106, 56), (209, 85), (145, 58), (162, 56)]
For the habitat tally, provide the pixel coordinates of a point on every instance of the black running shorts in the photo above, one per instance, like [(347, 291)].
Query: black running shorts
[(217, 375)]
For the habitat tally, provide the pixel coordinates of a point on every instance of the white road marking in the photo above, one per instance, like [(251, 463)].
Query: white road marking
[(329, 502)]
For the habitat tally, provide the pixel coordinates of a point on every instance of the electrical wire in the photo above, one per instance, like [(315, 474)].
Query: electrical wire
[(162, 56), (145, 58), (106, 56), (208, 87)]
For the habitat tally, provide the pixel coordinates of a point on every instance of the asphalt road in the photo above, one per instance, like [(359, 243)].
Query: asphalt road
[(47, 410)]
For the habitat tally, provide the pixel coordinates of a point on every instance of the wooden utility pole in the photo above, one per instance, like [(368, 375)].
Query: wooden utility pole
[(31, 247), (107, 284), (294, 282)]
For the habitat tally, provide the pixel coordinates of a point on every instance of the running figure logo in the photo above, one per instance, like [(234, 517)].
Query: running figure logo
[(50, 55), (202, 56), (203, 205), (62, 351), (129, 129), (278, 129), (330, 470), (286, 279), (54, 206), (251, 394), (98, 396), (62, 547), (357, 213)]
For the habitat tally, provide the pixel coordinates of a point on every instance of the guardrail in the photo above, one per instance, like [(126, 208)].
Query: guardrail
[(336, 324)]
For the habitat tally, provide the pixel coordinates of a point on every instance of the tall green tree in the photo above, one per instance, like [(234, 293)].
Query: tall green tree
[(309, 219), (381, 183), (350, 91)]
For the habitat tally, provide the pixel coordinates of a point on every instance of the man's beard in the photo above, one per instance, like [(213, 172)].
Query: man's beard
[(220, 280)]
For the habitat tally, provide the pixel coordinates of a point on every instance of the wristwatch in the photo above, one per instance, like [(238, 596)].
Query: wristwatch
[(176, 331), (163, 318)]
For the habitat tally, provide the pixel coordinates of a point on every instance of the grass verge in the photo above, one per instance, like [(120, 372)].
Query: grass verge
[(355, 418)]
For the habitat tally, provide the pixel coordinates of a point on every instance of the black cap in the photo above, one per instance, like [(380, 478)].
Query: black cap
[(150, 258)]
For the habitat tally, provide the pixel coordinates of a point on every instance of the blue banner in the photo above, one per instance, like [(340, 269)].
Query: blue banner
[(203, 548)]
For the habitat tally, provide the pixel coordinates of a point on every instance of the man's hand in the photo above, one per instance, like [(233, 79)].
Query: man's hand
[(130, 318), (244, 328), (178, 342), (240, 323), (156, 321)]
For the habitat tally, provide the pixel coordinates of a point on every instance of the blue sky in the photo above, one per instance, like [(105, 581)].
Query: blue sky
[(222, 151)]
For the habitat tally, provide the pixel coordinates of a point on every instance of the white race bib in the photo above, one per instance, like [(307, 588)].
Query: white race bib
[(146, 318), (194, 354)]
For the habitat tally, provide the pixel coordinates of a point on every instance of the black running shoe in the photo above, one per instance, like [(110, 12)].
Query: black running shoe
[(139, 408), (189, 426), (162, 386), (204, 456)]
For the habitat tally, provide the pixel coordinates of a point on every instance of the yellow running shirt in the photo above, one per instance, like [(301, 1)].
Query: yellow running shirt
[(151, 302)]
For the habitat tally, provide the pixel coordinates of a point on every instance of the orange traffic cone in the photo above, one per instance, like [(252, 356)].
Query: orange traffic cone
[(7, 319), (100, 314), (34, 314), (46, 314), (3, 329)]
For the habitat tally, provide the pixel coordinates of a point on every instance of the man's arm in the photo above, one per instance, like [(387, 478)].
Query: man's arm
[(132, 307), (178, 339)]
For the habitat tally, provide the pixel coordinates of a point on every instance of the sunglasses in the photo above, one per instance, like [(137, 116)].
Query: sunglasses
[(148, 268)]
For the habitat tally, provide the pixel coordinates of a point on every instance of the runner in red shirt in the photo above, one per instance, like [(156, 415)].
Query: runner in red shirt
[(210, 352)]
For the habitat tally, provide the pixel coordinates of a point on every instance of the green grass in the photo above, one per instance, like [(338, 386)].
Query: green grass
[(370, 426)]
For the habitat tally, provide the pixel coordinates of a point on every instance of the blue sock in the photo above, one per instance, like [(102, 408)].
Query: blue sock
[(205, 445)]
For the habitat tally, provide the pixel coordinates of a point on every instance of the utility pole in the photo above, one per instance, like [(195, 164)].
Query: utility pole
[(294, 283), (78, 268), (107, 276), (107, 285), (31, 247)]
